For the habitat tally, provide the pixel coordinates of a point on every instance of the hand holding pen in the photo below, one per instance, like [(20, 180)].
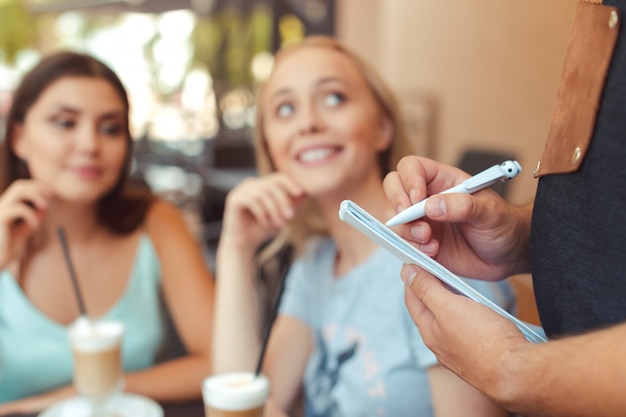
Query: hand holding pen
[(500, 172)]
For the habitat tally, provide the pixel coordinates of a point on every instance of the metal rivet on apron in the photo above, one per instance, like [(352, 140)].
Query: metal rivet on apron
[(576, 155), (536, 168), (613, 19)]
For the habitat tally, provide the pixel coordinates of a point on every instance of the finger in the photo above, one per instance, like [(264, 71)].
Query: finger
[(423, 177), (423, 318), (39, 201), (396, 193), (290, 186), (258, 208), (278, 206), (286, 193), (30, 191), (428, 289), (258, 198), (275, 194), (421, 315), (21, 214), (419, 234), (415, 174), (479, 208)]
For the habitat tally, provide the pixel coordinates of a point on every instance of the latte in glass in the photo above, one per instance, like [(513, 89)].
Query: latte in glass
[(235, 395), (96, 346)]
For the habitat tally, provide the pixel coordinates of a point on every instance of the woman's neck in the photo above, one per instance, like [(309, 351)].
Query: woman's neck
[(80, 222), (353, 247)]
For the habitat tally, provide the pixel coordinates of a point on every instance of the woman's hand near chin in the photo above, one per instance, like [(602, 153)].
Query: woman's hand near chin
[(255, 211), (258, 207), (22, 208)]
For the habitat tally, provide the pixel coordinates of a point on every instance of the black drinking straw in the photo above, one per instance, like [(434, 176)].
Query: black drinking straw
[(271, 324), (70, 268)]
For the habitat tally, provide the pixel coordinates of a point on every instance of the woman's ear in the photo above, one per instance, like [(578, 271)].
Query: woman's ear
[(387, 131), (16, 137)]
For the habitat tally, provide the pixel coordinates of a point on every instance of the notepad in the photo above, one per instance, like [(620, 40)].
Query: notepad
[(354, 215)]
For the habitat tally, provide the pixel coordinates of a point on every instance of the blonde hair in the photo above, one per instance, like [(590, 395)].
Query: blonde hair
[(308, 221)]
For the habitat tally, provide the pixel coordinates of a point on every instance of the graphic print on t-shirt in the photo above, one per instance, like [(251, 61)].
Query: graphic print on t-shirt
[(326, 376), (341, 364)]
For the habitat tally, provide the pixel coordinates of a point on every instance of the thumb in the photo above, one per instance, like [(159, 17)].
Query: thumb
[(422, 316), (426, 288), (457, 207)]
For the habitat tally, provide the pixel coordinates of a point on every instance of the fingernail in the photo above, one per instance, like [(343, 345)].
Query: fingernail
[(436, 206), (417, 231), (429, 248), (412, 195), (399, 208), (408, 274)]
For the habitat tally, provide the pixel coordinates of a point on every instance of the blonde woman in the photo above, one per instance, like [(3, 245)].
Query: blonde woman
[(328, 129)]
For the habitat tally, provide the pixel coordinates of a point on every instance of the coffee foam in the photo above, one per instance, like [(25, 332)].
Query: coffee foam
[(95, 336), (235, 391)]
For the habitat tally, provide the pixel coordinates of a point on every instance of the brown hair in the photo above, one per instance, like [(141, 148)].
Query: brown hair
[(308, 221), (124, 208)]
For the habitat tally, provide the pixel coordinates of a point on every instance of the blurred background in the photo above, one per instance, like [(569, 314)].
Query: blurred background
[(477, 80), (191, 69)]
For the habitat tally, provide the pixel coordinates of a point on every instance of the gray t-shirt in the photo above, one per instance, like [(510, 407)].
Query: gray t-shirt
[(369, 358)]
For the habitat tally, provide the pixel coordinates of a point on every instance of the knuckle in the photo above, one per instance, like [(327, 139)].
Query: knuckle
[(405, 162), (420, 287), (467, 205), (391, 183)]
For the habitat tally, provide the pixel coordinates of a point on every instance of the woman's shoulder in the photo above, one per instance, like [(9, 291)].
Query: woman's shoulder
[(166, 226), (170, 232), (161, 209), (163, 217)]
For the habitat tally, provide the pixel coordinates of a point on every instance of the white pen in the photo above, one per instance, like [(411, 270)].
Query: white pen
[(502, 172)]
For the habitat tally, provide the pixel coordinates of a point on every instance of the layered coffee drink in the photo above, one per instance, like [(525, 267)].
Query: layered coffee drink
[(96, 347), (235, 395)]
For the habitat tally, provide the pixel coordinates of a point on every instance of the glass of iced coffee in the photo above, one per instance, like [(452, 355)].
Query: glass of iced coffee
[(96, 347), (235, 395)]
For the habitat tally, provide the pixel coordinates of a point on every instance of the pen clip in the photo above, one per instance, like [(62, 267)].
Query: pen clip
[(499, 172)]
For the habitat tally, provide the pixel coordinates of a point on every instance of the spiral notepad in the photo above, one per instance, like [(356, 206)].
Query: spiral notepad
[(354, 215)]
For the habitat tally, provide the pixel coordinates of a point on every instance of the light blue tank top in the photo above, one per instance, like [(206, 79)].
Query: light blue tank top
[(35, 354)]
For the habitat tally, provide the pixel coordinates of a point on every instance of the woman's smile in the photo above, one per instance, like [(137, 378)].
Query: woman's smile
[(318, 155), (86, 172)]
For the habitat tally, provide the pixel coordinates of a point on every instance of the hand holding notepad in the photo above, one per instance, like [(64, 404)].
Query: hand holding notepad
[(351, 213)]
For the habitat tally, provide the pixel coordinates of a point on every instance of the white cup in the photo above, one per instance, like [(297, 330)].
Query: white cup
[(239, 394)]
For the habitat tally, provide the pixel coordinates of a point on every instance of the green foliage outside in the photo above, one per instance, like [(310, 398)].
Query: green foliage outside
[(227, 42), (16, 29)]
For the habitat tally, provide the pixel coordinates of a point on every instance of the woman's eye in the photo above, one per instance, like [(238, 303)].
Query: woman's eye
[(111, 130), (334, 99), (63, 123), (284, 110)]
